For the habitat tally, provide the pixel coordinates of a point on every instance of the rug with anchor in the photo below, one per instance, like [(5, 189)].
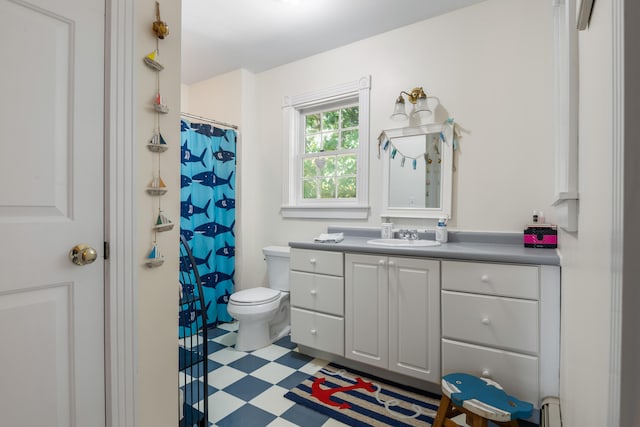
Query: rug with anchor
[(358, 400)]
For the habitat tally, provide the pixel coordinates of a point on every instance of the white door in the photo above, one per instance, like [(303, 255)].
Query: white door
[(51, 198)]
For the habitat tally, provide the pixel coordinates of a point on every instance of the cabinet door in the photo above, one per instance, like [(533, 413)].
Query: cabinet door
[(366, 313), (414, 317)]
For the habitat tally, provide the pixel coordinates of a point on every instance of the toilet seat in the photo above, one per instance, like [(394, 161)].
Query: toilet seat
[(254, 296)]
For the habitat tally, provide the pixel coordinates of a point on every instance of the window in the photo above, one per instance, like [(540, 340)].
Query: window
[(330, 159), (327, 168)]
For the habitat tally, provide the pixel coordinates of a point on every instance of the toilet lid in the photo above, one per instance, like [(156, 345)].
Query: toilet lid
[(255, 296)]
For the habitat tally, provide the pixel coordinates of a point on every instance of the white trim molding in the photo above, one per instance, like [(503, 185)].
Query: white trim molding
[(292, 109), (565, 114), (617, 211), (325, 212), (446, 174), (120, 280)]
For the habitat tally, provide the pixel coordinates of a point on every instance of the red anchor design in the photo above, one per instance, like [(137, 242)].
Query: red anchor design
[(324, 395)]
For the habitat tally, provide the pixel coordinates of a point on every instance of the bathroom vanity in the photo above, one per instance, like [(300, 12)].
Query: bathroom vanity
[(481, 304)]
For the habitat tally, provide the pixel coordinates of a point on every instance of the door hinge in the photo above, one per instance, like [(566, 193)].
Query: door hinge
[(106, 250)]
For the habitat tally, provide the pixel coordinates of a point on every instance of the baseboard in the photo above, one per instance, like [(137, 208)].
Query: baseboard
[(550, 412)]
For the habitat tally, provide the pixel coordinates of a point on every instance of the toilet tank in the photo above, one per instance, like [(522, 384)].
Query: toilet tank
[(277, 258)]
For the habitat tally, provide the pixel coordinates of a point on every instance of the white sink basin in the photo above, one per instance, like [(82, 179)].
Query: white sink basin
[(402, 242)]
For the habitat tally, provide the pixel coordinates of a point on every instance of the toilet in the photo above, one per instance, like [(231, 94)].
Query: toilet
[(263, 312)]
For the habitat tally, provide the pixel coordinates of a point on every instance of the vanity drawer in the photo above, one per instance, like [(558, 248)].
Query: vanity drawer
[(516, 373), (317, 292), (323, 262), (494, 321), (317, 330), (518, 281)]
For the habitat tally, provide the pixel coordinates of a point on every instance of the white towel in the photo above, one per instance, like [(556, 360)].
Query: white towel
[(329, 238)]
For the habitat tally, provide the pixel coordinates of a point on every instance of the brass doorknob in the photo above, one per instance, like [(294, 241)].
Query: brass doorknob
[(82, 254)]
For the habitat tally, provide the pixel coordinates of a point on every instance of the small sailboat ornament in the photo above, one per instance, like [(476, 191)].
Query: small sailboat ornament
[(155, 258), (162, 223), (151, 61), (159, 106), (157, 144), (157, 187)]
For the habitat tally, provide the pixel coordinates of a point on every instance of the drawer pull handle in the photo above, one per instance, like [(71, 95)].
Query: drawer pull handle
[(392, 263), (313, 331), (484, 278), (313, 261), (486, 373), (486, 321), (381, 262), (313, 292)]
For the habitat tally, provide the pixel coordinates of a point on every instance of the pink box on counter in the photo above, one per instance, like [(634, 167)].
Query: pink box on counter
[(541, 236)]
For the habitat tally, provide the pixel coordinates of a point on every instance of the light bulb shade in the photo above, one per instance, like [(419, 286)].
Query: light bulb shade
[(422, 107), (398, 110)]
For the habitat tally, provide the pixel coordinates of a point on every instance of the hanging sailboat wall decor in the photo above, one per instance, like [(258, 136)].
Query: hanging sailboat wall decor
[(157, 145), (151, 61), (155, 258), (157, 187), (162, 223)]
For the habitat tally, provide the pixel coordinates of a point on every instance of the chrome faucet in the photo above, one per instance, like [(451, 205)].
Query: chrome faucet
[(408, 234)]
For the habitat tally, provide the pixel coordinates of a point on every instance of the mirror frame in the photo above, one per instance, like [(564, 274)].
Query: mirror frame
[(446, 181)]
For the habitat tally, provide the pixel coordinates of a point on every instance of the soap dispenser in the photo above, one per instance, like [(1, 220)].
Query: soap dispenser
[(386, 230), (441, 231)]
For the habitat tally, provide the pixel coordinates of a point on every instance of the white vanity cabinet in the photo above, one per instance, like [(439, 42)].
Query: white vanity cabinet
[(502, 321), (317, 299), (392, 313)]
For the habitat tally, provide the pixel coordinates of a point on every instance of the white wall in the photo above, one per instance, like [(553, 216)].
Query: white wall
[(157, 289)]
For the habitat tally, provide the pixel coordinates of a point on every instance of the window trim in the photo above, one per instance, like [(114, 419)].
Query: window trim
[(293, 108)]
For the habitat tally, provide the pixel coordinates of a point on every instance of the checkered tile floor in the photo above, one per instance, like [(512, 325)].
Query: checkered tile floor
[(246, 389)]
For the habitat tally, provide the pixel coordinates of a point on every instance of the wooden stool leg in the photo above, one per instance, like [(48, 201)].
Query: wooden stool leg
[(479, 421), (443, 411)]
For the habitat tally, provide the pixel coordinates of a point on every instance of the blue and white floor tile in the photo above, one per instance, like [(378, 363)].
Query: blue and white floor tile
[(246, 389)]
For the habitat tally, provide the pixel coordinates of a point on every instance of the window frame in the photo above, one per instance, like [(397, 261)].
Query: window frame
[(294, 109)]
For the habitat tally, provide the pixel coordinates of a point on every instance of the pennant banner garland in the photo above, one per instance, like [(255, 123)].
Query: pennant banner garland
[(453, 134)]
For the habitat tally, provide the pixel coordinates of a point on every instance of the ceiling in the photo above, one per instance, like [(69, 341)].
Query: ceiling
[(219, 36)]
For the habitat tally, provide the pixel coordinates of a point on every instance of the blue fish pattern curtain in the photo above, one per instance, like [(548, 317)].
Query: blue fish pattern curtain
[(207, 213)]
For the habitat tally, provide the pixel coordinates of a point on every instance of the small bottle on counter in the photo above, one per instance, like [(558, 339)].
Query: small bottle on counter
[(441, 231), (386, 230)]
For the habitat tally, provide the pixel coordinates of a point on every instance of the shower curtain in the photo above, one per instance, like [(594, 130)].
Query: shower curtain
[(207, 213)]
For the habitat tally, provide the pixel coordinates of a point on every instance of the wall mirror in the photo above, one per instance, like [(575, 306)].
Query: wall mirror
[(417, 171)]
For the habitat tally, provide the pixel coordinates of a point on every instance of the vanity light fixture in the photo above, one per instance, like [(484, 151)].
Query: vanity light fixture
[(418, 98)]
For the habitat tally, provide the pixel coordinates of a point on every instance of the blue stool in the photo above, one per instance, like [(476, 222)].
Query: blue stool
[(482, 400)]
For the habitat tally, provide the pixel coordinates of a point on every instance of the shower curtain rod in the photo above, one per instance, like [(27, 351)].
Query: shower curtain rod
[(205, 119)]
